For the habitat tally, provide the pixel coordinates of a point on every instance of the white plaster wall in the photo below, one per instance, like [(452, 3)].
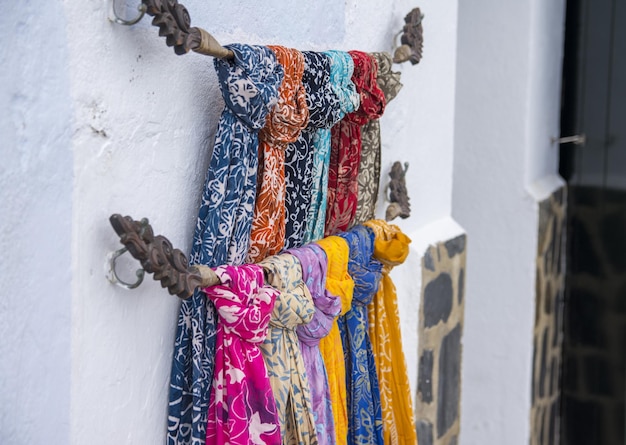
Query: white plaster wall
[(145, 119), (101, 119), (35, 224), (508, 93)]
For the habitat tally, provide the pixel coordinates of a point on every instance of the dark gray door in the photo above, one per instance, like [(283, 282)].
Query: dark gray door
[(594, 104)]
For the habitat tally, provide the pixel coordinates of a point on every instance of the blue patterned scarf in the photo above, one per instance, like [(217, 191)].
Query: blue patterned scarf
[(365, 424), (324, 111), (341, 69), (249, 85)]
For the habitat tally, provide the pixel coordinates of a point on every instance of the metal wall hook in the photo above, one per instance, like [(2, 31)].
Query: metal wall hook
[(412, 39), (142, 8), (398, 194), (577, 139), (112, 272)]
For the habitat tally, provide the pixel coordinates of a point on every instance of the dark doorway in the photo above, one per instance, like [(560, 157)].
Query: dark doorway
[(594, 104)]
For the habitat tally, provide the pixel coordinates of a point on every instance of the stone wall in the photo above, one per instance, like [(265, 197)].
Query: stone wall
[(550, 288), (594, 374), (440, 333)]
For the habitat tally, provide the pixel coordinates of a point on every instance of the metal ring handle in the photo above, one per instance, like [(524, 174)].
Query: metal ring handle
[(112, 272), (142, 8)]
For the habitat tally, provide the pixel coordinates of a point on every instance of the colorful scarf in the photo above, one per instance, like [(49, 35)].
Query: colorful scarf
[(341, 69), (327, 306), (364, 410), (324, 111), (249, 86), (284, 124), (369, 168), (281, 350), (340, 283), (242, 409), (391, 248), (345, 154)]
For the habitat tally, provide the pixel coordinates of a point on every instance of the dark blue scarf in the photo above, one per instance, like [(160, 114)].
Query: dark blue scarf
[(324, 111), (249, 85)]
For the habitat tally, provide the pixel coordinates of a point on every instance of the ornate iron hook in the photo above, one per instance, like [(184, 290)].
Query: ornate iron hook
[(142, 8), (412, 40), (157, 256), (398, 194)]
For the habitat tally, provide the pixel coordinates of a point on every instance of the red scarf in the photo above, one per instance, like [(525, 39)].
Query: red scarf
[(345, 154)]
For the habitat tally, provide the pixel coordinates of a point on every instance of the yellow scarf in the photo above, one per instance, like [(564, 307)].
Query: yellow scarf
[(391, 248), (339, 283)]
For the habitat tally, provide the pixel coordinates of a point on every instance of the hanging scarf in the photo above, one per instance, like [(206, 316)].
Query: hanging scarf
[(365, 422), (327, 306), (338, 282), (324, 111), (345, 153), (281, 350), (369, 168), (249, 86), (391, 248), (242, 409), (284, 124), (341, 69)]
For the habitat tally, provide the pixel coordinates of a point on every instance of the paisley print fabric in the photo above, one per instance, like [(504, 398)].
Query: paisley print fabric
[(283, 126), (249, 85), (369, 167), (281, 350), (391, 247), (324, 111), (327, 306), (339, 283), (365, 425), (345, 154), (242, 408), (341, 69)]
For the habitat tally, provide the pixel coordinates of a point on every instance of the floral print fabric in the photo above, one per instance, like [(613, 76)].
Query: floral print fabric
[(327, 306), (369, 167), (249, 85), (345, 152), (324, 111), (364, 408), (339, 283), (242, 410), (283, 126), (391, 248), (281, 350), (341, 69)]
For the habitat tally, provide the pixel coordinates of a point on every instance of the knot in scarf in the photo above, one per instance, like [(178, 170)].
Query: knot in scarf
[(291, 114), (338, 280), (249, 82), (281, 349), (341, 70), (242, 409), (364, 269), (294, 306), (387, 80), (313, 261), (391, 246), (372, 98), (321, 99), (243, 302)]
